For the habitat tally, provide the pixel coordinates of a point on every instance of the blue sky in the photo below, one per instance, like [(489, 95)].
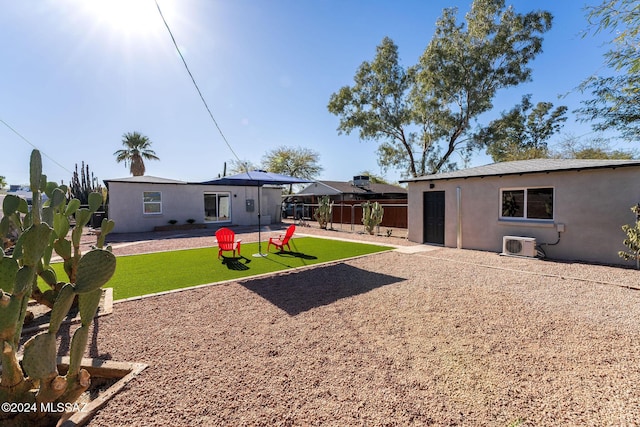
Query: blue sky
[(77, 74)]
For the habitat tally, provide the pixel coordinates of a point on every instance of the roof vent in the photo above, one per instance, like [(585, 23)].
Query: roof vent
[(361, 181)]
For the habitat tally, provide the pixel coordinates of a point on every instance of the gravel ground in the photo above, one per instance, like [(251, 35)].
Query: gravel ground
[(440, 337)]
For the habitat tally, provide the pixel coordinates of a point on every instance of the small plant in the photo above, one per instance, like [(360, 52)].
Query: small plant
[(372, 214), (633, 238), (191, 221), (173, 221), (323, 213), (389, 232), (517, 422)]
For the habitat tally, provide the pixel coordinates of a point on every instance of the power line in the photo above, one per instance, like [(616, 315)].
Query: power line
[(29, 142), (193, 80)]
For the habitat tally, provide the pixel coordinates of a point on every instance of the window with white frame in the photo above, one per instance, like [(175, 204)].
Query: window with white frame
[(527, 203), (151, 202), (217, 207)]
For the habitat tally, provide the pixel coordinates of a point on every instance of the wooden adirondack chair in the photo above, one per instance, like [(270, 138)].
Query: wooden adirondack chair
[(282, 240), (227, 241)]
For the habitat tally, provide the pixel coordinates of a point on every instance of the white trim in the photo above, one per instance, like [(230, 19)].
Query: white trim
[(217, 194), (145, 203), (524, 219)]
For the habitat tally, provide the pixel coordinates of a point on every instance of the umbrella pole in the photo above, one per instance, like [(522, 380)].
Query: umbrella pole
[(259, 254)]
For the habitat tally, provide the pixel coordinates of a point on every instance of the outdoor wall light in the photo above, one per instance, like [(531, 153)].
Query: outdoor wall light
[(432, 185)]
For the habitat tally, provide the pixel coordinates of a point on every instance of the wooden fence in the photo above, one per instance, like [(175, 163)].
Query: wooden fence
[(350, 212)]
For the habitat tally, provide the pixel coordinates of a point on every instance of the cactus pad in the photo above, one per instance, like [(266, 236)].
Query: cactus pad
[(63, 248), (8, 269), (88, 305), (61, 307), (35, 172), (94, 270), (82, 217), (57, 197), (49, 276), (24, 279), (40, 356), (34, 241), (72, 207), (95, 201), (60, 225), (10, 204)]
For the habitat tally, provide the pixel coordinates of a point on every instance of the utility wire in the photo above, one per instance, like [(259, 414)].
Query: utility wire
[(29, 142), (193, 80), (184, 62)]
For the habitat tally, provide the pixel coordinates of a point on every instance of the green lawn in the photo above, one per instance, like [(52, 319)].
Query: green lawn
[(150, 273)]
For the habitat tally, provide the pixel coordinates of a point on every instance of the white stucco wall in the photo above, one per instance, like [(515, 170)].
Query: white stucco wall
[(181, 202), (591, 204)]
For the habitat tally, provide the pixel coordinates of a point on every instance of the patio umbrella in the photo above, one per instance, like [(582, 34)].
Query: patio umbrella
[(258, 178)]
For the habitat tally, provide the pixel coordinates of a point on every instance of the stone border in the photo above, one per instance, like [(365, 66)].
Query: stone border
[(126, 371)]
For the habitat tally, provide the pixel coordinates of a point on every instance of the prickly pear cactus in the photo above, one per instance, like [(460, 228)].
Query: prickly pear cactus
[(323, 213), (37, 385), (372, 215)]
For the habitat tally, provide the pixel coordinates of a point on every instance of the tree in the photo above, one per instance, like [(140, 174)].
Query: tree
[(241, 166), (616, 100), (299, 162), (137, 149), (621, 17), (3, 182), (523, 132), (597, 148), (378, 106), (422, 115)]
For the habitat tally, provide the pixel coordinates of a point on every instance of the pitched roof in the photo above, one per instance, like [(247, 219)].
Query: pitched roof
[(146, 179), (521, 167), (341, 187)]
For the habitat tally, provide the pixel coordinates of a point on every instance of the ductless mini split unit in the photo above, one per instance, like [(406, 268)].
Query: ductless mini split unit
[(519, 246)]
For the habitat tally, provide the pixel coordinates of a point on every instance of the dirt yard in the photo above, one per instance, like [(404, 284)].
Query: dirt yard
[(440, 337)]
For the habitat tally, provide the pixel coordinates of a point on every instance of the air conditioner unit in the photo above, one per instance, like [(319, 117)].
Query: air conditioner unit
[(519, 246)]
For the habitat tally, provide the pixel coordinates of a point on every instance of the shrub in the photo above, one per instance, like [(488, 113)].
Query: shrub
[(633, 239)]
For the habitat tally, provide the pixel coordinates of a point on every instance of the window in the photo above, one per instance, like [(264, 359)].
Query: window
[(217, 207), (527, 203), (151, 202)]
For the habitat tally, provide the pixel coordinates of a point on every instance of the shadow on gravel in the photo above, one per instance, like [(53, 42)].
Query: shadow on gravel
[(301, 291)]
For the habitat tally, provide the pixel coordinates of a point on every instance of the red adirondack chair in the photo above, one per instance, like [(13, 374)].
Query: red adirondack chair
[(282, 240), (227, 241)]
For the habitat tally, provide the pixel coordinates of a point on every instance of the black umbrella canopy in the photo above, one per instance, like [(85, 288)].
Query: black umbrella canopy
[(257, 179)]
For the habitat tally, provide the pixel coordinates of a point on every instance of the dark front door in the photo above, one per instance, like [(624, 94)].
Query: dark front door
[(434, 217)]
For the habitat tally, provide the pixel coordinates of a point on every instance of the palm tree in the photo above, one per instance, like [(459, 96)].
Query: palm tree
[(137, 148)]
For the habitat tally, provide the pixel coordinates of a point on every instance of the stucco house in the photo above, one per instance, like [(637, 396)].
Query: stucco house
[(572, 209), (141, 203)]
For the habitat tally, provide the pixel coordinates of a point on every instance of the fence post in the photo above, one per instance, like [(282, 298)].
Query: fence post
[(353, 216)]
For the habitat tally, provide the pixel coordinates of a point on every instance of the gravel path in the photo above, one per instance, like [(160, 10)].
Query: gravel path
[(440, 337)]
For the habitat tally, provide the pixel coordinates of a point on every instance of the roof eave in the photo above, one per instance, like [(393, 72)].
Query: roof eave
[(435, 177)]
